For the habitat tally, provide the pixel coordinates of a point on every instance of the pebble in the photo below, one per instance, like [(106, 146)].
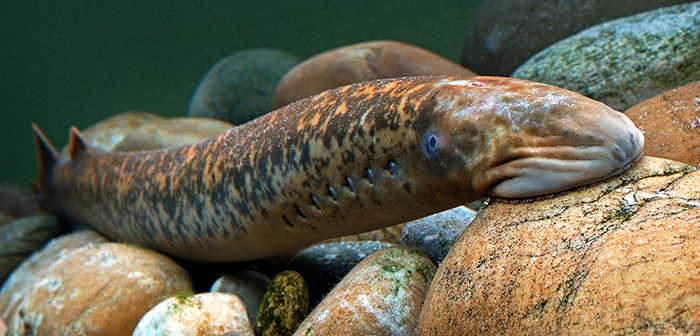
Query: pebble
[(505, 33), (99, 288), (358, 63), (625, 61), (382, 295), (108, 133), (171, 132), (250, 286), (671, 124), (434, 235), (204, 314), (22, 237), (323, 265), (284, 306), (620, 257), (240, 87)]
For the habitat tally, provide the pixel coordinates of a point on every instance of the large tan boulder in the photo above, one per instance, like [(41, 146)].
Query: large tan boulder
[(619, 258)]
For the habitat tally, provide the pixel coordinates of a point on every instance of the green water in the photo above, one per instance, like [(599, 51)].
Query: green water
[(66, 63)]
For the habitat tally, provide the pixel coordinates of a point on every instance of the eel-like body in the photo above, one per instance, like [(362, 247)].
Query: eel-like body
[(345, 161)]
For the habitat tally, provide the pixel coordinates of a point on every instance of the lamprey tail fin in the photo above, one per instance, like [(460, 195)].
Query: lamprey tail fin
[(47, 156), (76, 144)]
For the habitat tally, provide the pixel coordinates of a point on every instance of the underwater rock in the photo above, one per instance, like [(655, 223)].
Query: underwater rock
[(358, 63), (22, 237), (671, 124), (382, 295), (204, 314), (97, 289), (285, 305), (171, 132), (17, 202), (323, 265), (108, 133), (250, 286), (505, 33), (434, 235), (240, 86), (620, 257), (624, 61)]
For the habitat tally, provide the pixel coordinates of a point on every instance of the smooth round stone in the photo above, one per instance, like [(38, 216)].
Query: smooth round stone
[(97, 289), (671, 124), (17, 202), (618, 258), (382, 295), (625, 61), (358, 63), (284, 306), (33, 267), (22, 237), (203, 314), (505, 33), (240, 87), (108, 133), (250, 286), (434, 235), (171, 132), (323, 265)]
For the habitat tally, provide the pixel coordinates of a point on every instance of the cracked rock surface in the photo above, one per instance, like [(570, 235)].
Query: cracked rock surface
[(621, 257)]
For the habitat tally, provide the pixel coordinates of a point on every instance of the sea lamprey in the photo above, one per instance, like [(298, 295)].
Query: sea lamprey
[(348, 160)]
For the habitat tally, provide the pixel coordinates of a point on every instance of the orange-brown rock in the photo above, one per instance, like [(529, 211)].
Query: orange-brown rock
[(382, 295), (361, 62), (164, 133), (618, 258), (97, 289), (671, 124)]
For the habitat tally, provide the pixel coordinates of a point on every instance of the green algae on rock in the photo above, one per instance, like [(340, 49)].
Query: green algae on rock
[(382, 295), (205, 314), (624, 61), (284, 306), (505, 33), (618, 258)]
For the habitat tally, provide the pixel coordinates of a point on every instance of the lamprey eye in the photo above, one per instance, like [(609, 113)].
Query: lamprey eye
[(431, 144)]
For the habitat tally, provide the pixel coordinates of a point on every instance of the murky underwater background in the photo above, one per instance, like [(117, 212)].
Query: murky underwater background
[(66, 63)]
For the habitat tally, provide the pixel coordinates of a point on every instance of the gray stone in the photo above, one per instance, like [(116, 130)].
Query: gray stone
[(625, 61), (505, 33), (22, 237), (240, 87), (323, 265), (250, 286), (434, 235)]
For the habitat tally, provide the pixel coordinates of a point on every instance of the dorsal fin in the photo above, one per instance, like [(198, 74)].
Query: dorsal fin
[(76, 144), (47, 156)]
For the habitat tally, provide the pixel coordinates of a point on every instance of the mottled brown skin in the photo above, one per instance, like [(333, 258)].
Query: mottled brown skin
[(349, 160)]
